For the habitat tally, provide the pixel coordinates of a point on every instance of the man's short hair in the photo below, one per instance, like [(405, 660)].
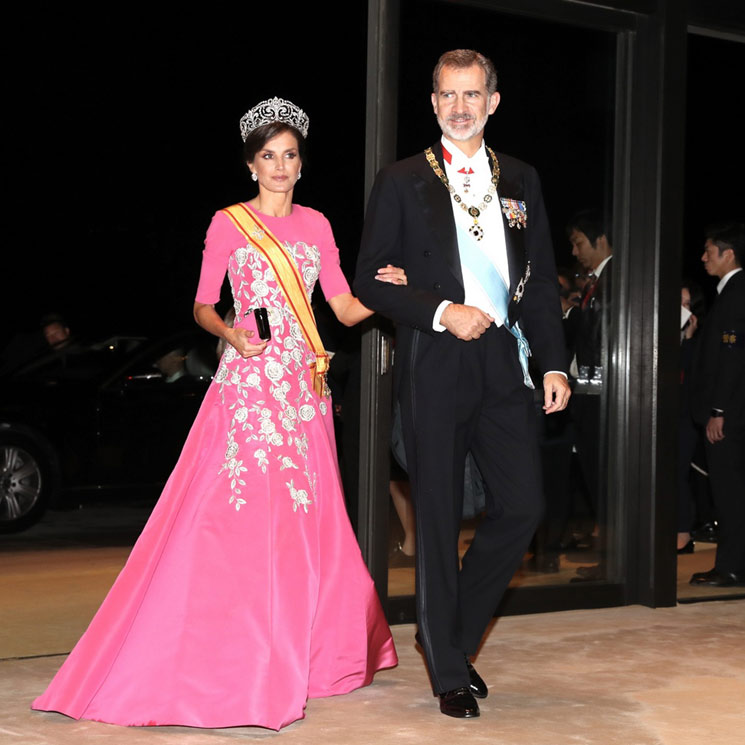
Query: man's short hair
[(462, 58), (728, 235), (592, 223), (566, 273), (50, 318)]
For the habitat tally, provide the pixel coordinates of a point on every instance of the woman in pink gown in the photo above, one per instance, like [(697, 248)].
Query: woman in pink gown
[(246, 593)]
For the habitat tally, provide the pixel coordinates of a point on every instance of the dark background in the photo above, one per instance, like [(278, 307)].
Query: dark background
[(120, 138), (715, 144), (557, 99)]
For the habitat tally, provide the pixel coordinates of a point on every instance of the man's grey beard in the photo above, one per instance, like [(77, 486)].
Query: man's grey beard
[(477, 126)]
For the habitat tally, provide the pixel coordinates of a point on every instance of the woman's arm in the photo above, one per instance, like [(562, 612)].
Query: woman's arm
[(350, 311), (240, 339), (222, 239)]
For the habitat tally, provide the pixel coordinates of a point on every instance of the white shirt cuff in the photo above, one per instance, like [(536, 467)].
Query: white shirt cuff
[(436, 325), (558, 372)]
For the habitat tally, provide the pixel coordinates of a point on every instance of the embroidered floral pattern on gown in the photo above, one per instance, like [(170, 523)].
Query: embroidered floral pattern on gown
[(272, 395), (246, 593)]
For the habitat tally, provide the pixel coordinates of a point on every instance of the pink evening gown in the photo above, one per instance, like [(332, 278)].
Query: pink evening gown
[(246, 593)]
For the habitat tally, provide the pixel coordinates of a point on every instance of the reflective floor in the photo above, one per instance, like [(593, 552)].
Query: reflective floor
[(574, 564), (562, 568), (96, 539)]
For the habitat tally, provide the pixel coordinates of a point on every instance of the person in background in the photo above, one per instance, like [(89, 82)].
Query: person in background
[(718, 400), (570, 295), (592, 246), (56, 332), (691, 297)]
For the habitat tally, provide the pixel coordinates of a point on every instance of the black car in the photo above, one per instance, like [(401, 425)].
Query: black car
[(97, 416)]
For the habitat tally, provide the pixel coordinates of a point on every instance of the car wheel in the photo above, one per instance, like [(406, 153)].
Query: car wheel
[(27, 479)]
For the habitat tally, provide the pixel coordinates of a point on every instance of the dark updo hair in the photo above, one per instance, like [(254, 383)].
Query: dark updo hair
[(258, 137)]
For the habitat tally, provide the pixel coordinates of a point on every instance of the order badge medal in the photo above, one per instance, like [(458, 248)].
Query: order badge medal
[(515, 211), (520, 289)]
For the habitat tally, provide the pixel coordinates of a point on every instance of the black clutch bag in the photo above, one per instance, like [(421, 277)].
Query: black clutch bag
[(262, 324)]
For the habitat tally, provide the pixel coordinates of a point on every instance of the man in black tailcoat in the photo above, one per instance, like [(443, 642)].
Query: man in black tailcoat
[(718, 400), (470, 228)]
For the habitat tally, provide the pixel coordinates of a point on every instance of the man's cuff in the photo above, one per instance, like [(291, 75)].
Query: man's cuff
[(558, 372), (436, 325)]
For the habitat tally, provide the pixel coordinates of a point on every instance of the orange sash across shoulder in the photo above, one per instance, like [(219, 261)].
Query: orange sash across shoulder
[(289, 281)]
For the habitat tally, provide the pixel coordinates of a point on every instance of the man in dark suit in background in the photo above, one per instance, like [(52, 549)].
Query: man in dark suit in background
[(718, 400), (591, 246), (471, 230)]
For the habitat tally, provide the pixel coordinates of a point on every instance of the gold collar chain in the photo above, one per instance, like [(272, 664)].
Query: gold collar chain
[(475, 230)]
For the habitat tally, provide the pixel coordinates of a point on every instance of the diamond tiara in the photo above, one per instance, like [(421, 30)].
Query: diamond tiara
[(274, 110)]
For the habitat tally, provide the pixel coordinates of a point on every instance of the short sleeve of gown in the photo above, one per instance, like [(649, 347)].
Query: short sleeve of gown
[(221, 240), (332, 279)]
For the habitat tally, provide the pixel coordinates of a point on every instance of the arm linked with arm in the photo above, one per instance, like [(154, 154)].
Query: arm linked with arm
[(384, 242)]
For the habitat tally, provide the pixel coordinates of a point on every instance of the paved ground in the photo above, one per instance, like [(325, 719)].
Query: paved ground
[(625, 675), (616, 676), (109, 520)]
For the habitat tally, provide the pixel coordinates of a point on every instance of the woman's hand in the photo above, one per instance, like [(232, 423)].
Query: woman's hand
[(691, 327), (391, 274), (240, 340)]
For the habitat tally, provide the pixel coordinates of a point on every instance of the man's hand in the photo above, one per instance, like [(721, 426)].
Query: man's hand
[(556, 393), (465, 321), (715, 429)]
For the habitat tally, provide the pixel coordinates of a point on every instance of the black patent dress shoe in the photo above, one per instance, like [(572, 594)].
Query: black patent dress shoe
[(715, 578), (459, 703), (475, 682)]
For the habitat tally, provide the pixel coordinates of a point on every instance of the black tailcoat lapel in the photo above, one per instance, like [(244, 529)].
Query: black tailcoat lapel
[(435, 202), (514, 237)]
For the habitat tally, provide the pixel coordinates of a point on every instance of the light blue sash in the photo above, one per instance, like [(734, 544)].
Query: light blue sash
[(491, 281)]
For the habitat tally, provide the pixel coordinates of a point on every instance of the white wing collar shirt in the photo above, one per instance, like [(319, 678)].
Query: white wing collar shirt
[(474, 175)]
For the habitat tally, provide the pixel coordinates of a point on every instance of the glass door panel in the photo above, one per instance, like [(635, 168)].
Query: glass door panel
[(557, 111)]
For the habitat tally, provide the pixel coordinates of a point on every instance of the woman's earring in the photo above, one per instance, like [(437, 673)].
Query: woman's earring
[(299, 175), (254, 177)]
